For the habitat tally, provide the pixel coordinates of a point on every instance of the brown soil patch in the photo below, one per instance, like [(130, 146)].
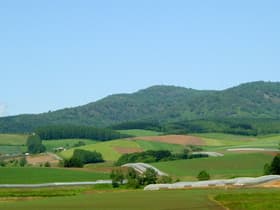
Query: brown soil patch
[(126, 150), (271, 184), (9, 199), (173, 139), (41, 159)]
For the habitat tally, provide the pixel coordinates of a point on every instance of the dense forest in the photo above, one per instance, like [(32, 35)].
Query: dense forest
[(80, 132), (241, 126), (165, 104)]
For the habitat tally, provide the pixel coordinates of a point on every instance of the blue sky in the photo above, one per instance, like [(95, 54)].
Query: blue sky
[(56, 54)]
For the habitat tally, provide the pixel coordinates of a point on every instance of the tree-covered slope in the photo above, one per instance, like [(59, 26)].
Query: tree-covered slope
[(161, 103)]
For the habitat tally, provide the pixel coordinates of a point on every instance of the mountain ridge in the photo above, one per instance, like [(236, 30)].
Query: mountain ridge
[(161, 103)]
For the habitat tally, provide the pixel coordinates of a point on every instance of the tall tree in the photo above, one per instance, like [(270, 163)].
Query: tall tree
[(34, 144)]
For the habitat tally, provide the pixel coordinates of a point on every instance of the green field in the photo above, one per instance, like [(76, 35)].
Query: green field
[(127, 200), (14, 150), (13, 139), (139, 132), (220, 141), (66, 143), (107, 149), (110, 152), (45, 175), (228, 166), (201, 199), (152, 145), (251, 200)]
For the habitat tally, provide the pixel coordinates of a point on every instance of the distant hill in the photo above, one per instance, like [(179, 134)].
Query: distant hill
[(161, 103)]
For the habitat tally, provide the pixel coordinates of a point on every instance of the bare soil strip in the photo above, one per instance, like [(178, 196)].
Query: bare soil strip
[(42, 158)]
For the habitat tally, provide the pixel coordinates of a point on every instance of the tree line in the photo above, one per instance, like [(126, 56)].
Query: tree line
[(81, 132), (239, 126), (156, 156)]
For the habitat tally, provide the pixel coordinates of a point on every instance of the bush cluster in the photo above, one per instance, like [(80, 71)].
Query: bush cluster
[(81, 157), (135, 180), (156, 156)]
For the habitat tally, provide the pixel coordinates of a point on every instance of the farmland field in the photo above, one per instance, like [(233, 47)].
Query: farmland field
[(228, 166), (218, 141), (66, 143), (174, 139), (139, 132), (127, 200), (151, 145), (110, 150), (13, 139), (251, 200), (201, 199), (44, 175), (13, 149)]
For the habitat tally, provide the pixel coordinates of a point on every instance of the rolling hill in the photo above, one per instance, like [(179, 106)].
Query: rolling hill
[(161, 103)]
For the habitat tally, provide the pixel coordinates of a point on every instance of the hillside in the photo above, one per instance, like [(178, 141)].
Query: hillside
[(161, 103)]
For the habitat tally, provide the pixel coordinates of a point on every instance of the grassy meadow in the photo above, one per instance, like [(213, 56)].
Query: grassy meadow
[(112, 150), (228, 166), (122, 200), (108, 149), (13, 139), (153, 145), (66, 143), (30, 175), (201, 199), (258, 199), (140, 132), (220, 141)]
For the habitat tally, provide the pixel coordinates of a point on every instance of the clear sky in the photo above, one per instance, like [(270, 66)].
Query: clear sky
[(63, 53)]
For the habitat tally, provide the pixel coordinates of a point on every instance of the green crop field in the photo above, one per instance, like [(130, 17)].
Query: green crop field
[(201, 199), (139, 132), (107, 149), (128, 200), (12, 149), (228, 166), (110, 152), (45, 175), (218, 141), (66, 143), (153, 145), (13, 139), (251, 200)]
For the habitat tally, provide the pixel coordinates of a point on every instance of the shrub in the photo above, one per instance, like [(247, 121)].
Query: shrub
[(266, 169), (73, 162), (22, 162), (2, 163), (47, 164), (34, 144), (146, 157), (79, 143), (81, 157), (133, 179), (117, 177), (203, 175), (164, 180), (149, 176), (274, 167)]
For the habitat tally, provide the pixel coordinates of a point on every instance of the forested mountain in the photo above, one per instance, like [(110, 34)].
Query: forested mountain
[(163, 104)]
